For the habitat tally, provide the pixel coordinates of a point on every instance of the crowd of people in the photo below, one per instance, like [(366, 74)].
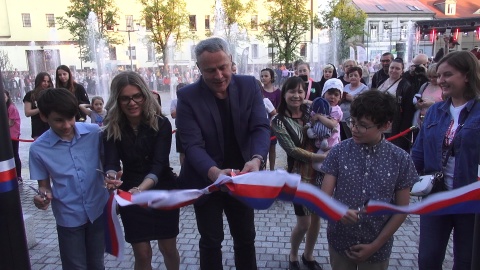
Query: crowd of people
[(335, 133)]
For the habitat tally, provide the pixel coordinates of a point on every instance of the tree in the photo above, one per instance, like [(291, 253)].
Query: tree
[(231, 19), (76, 22), (351, 22), (166, 19), (285, 29), (233, 13)]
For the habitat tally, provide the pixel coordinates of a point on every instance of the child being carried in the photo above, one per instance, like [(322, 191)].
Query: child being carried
[(326, 116)]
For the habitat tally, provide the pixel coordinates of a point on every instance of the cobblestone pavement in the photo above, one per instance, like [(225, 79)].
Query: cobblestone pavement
[(273, 228)]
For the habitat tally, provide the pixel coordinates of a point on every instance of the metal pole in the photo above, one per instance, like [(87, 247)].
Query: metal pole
[(130, 50), (476, 244), (13, 247)]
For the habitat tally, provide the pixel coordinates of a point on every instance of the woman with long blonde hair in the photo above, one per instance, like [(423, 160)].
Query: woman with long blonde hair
[(138, 136)]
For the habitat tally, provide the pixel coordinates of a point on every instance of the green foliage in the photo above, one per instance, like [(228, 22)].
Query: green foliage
[(166, 19), (235, 12), (76, 22), (351, 22), (287, 27)]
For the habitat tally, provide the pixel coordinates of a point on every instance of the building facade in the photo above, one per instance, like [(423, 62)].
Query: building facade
[(30, 35), (390, 27)]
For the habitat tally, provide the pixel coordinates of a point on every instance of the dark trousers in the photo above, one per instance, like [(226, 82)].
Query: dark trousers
[(16, 157), (83, 247), (434, 236), (240, 219)]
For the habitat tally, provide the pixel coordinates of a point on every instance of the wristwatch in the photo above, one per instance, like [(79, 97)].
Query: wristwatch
[(262, 161)]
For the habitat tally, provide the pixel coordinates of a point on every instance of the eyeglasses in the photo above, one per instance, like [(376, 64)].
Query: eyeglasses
[(137, 98), (360, 128)]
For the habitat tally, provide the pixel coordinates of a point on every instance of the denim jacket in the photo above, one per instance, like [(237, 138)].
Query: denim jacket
[(427, 150)]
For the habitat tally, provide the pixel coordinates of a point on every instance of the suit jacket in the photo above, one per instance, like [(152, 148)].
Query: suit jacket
[(200, 127)]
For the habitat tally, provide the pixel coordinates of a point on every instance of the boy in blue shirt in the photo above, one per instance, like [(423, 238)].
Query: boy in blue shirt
[(64, 160)]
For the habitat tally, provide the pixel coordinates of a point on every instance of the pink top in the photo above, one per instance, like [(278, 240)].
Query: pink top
[(433, 93), (336, 114), (15, 116)]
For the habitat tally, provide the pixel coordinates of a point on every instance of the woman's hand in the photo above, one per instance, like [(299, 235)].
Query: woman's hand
[(319, 157), (112, 180)]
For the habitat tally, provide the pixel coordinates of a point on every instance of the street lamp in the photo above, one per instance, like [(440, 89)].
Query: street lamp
[(129, 30)]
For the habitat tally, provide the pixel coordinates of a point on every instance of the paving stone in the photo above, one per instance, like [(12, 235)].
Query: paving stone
[(273, 227)]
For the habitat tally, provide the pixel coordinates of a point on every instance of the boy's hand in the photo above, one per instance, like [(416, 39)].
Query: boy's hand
[(43, 201), (361, 252), (351, 217)]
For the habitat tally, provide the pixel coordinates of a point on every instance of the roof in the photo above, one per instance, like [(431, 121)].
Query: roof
[(396, 7), (464, 8)]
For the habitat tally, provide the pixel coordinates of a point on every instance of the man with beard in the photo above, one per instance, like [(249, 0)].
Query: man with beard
[(382, 75)]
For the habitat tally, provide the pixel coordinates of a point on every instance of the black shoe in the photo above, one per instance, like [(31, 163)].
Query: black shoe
[(311, 265), (293, 265)]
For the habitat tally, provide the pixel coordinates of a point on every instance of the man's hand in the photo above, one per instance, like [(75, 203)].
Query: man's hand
[(252, 166), (214, 172), (360, 253)]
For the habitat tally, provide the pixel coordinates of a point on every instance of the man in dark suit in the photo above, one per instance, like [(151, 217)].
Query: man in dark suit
[(223, 126)]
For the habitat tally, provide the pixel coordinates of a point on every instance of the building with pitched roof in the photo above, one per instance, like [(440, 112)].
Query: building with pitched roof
[(459, 19), (390, 26)]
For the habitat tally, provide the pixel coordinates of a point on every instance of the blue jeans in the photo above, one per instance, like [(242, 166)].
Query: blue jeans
[(83, 247), (240, 219), (434, 236)]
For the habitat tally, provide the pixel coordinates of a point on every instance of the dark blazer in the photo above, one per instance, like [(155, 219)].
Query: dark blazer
[(404, 113), (200, 127)]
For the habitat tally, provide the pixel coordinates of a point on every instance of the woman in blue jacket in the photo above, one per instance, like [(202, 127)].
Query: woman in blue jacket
[(449, 141)]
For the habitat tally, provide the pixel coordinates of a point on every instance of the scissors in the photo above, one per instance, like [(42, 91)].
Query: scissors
[(105, 174), (43, 195)]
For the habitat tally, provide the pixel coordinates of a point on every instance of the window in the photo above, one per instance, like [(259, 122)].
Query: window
[(148, 23), (303, 49), (112, 51), (387, 30), (403, 32), (414, 8), (150, 52), (207, 22), (450, 10), (50, 20), (255, 51), (26, 20), (381, 7), (193, 22), (192, 52), (133, 55), (254, 22), (374, 31), (129, 22), (271, 50)]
